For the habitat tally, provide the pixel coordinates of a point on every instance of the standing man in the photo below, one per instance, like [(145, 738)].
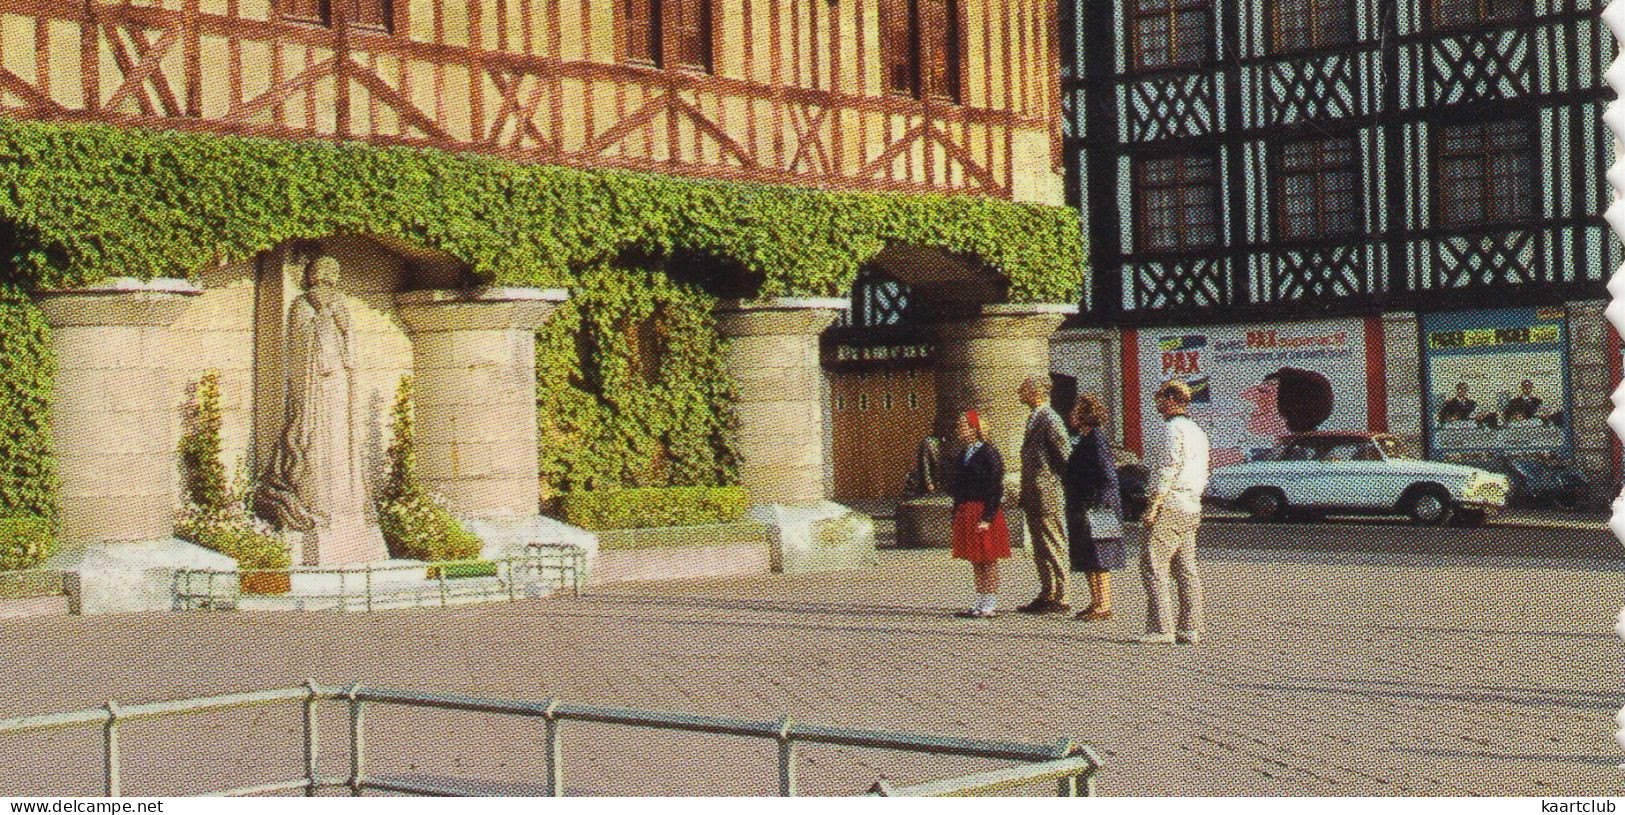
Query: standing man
[(1044, 451), (1171, 521)]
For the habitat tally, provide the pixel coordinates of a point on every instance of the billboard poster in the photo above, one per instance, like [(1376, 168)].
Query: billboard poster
[(1253, 384), (1496, 381)]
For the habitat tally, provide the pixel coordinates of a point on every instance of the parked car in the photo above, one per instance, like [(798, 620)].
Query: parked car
[(1542, 480), (1356, 473)]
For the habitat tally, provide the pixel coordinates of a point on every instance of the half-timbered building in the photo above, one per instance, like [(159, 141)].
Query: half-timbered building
[(1414, 189), (929, 102)]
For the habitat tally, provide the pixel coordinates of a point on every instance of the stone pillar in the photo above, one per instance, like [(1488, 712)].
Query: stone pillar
[(772, 354), (1591, 392), (1402, 355), (474, 366), (981, 362), (115, 423)]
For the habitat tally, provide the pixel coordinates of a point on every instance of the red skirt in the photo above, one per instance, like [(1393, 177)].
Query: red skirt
[(978, 546)]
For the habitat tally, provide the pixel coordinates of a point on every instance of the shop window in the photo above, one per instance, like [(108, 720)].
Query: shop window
[(920, 47), (1298, 25), (665, 33), (1485, 172), (1177, 202), (1317, 189), (1168, 33), (1455, 13)]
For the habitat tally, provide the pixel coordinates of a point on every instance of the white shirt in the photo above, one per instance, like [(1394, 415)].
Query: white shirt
[(1183, 471)]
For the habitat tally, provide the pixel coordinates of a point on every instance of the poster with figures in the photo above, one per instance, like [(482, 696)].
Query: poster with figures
[(1496, 381), (1253, 384)]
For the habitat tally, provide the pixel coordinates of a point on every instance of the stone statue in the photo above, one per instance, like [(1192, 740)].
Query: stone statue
[(312, 485)]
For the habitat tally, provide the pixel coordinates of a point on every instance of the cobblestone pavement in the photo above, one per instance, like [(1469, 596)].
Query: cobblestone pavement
[(1331, 674)]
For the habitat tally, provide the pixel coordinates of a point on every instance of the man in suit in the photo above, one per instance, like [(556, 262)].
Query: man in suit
[(1044, 451), (1523, 406)]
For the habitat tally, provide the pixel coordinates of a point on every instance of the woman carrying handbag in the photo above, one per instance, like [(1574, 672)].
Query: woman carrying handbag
[(1094, 507)]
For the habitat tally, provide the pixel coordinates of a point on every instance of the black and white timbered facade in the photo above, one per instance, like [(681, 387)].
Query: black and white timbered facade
[(1315, 156), (1395, 178)]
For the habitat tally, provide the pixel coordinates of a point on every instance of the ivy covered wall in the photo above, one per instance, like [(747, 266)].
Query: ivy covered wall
[(27, 477), (86, 202), (631, 389), (81, 203)]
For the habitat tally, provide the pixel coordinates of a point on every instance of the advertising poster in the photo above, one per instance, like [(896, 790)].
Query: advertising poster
[(1496, 381), (1253, 384)]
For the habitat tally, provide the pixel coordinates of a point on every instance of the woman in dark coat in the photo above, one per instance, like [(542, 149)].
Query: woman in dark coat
[(979, 531), (1090, 481)]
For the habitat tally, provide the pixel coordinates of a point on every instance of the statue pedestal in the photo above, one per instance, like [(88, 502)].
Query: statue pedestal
[(344, 542)]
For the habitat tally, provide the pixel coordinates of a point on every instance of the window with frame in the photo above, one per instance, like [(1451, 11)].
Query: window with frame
[(1485, 171), (1299, 25), (1169, 33), (920, 47), (1317, 190), (665, 33), (1453, 13), (1177, 202), (307, 11)]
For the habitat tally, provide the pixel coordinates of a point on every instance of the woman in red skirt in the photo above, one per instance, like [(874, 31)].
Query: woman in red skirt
[(980, 534)]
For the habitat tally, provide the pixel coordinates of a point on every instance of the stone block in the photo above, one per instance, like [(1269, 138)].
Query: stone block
[(488, 497), (508, 537), (513, 422), (109, 307), (130, 576), (93, 519), (459, 350), (137, 474), (475, 460)]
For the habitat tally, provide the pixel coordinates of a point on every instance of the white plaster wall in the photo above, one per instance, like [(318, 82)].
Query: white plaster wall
[(1093, 357)]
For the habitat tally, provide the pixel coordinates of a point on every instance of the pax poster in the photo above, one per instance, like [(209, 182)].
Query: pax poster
[(1497, 381), (1253, 384)]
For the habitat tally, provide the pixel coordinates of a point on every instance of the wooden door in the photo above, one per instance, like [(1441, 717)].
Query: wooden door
[(879, 419)]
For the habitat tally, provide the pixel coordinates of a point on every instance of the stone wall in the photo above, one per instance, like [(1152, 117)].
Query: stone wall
[(1402, 351), (1592, 387), (1094, 358)]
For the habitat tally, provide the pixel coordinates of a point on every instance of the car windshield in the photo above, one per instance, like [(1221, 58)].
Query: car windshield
[(1392, 447)]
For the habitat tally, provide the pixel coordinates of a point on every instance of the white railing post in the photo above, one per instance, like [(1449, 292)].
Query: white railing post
[(787, 759), (555, 757), (110, 752), (357, 741), (310, 739)]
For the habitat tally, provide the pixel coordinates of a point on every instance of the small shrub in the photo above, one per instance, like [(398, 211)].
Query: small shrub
[(416, 524), (648, 508), (216, 516), (24, 542)]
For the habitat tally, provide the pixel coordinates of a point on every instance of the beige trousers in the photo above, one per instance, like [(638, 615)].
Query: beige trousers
[(1047, 535), (1171, 545)]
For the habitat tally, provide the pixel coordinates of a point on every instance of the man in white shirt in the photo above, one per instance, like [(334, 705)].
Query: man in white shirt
[(1171, 521)]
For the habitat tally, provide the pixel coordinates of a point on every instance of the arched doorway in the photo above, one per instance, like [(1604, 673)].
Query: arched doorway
[(883, 401)]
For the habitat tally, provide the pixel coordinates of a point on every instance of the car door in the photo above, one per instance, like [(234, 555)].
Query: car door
[(1359, 476)]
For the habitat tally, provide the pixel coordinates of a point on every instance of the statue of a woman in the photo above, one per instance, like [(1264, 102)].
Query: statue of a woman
[(312, 481)]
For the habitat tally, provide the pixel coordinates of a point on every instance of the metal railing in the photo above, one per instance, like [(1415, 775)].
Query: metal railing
[(543, 567), (1071, 765)]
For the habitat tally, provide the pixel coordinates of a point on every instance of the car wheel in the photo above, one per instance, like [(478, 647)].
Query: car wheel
[(1470, 518), (1428, 506), (1265, 505)]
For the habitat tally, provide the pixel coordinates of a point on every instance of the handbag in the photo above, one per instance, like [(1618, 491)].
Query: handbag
[(1104, 523)]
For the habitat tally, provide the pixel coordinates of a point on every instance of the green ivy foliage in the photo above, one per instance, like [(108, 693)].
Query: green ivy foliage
[(631, 387), (652, 508), (86, 202), (216, 514), (24, 542), (27, 471)]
